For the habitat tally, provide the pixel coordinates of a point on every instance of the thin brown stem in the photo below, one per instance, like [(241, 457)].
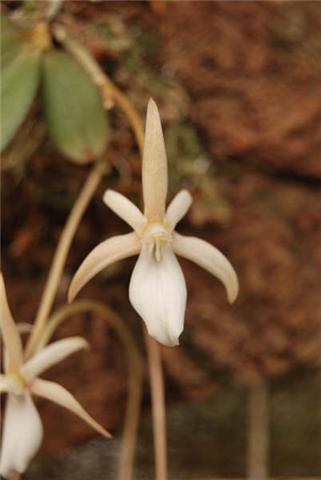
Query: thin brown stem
[(61, 253), (258, 432), (15, 476), (135, 373), (158, 406)]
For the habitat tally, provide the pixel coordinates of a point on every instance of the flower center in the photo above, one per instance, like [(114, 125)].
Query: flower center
[(16, 383), (156, 235)]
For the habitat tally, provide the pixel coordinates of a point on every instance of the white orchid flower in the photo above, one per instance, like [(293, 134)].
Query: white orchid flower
[(157, 288), (22, 430)]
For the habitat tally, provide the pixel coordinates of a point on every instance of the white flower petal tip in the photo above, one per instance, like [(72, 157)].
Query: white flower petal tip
[(157, 292), (152, 104), (57, 393), (106, 253), (22, 434), (51, 355), (125, 209), (233, 290), (178, 208), (211, 259)]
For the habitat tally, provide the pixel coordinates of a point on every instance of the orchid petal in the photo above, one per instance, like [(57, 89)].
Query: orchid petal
[(125, 209), (209, 258), (178, 208), (22, 434), (106, 253), (154, 166), (11, 337), (58, 394), (51, 355), (4, 384), (157, 291)]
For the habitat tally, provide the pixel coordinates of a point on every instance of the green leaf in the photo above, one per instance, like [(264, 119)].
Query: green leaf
[(11, 40), (19, 84), (76, 119)]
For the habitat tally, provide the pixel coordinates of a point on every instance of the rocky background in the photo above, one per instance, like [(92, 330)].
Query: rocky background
[(239, 90)]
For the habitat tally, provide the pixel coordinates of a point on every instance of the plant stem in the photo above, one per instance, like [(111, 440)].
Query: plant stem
[(158, 406), (53, 9), (135, 372), (258, 432), (15, 476), (109, 91), (61, 253)]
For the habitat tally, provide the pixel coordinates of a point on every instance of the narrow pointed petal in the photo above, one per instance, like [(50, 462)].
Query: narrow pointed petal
[(106, 253), (154, 166), (22, 434), (11, 337), (157, 291), (56, 393), (125, 209), (178, 208), (51, 355), (209, 258)]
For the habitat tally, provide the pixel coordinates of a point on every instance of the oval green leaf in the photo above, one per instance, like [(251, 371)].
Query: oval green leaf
[(76, 119), (19, 84)]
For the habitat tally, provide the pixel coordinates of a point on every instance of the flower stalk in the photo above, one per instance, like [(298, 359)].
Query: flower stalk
[(158, 406), (61, 253)]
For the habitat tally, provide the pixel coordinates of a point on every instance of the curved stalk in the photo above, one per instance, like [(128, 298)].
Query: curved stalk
[(135, 372), (61, 253)]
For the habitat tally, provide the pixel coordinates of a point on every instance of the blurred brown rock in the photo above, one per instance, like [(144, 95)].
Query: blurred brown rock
[(274, 243), (253, 71)]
